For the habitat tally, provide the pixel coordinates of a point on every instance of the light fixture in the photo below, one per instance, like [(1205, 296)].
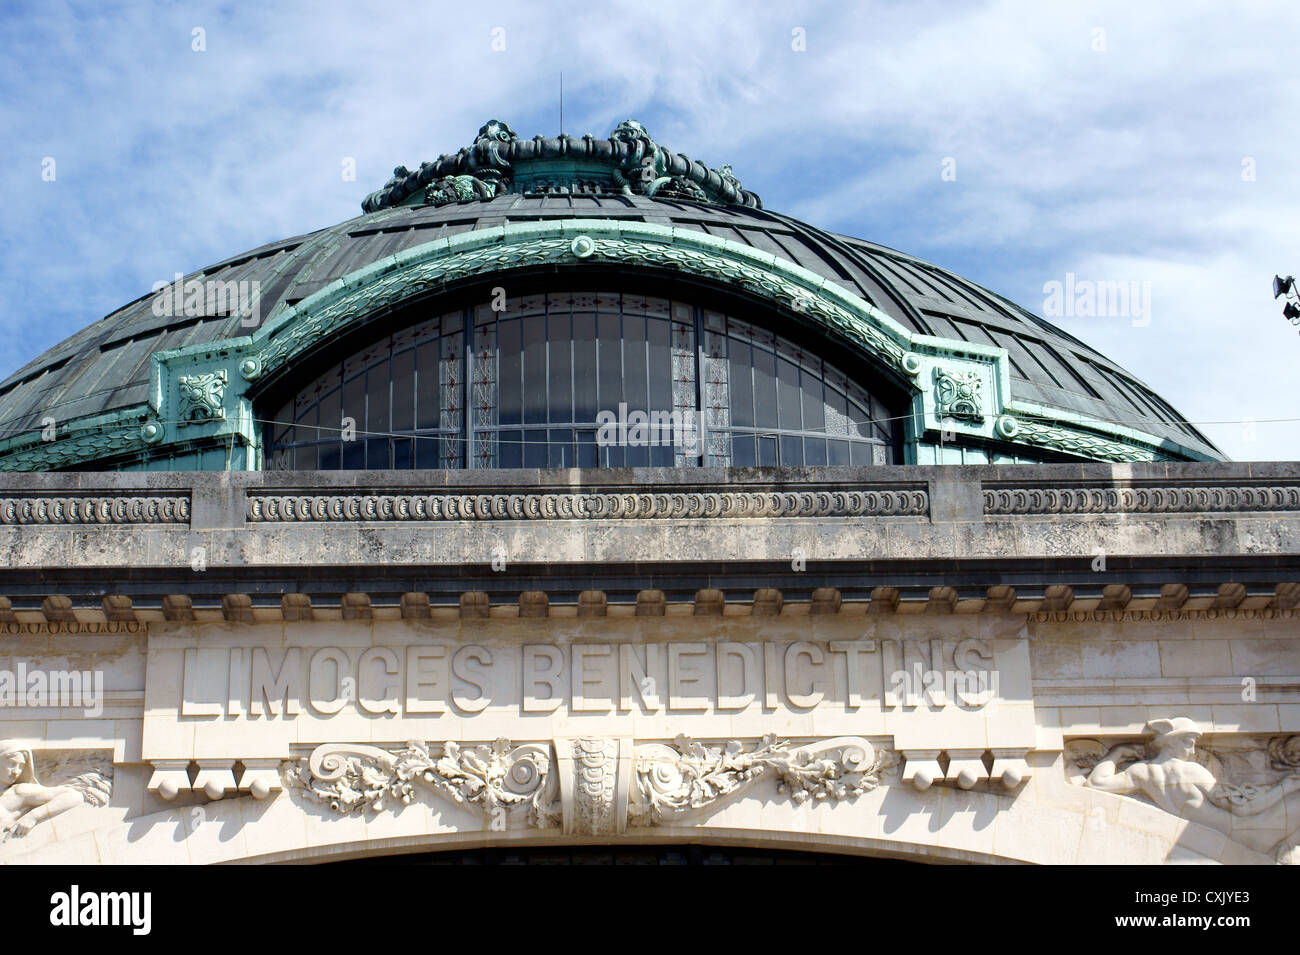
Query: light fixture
[(1286, 286)]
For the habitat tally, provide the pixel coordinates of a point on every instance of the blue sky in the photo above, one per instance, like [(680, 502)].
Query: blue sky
[(1151, 143)]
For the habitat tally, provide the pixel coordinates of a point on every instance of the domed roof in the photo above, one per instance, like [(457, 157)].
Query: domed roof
[(106, 367)]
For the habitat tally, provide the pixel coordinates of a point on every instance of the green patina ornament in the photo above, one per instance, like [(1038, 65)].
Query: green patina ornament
[(628, 162)]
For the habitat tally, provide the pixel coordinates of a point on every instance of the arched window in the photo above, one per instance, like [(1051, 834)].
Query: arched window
[(581, 379)]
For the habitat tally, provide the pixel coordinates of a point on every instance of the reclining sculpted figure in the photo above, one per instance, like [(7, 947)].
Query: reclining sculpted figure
[(24, 802), (1265, 819)]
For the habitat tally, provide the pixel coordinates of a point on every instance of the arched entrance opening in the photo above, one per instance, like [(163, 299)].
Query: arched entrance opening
[(673, 855)]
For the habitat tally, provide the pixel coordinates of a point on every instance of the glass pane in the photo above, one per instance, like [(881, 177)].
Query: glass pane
[(560, 452), (559, 332), (402, 453), (426, 396), (610, 360), (584, 367), (331, 416), (378, 454), (814, 408), (884, 427), (404, 391), (280, 423), (509, 394), (534, 339), (742, 384), (859, 421), (658, 337), (612, 456), (661, 456), (742, 451), (764, 389), (788, 388), (814, 450), (378, 383), (354, 455), (791, 451), (534, 449), (836, 408), (310, 418), (510, 449), (354, 402), (766, 451), (586, 450), (426, 453), (635, 383)]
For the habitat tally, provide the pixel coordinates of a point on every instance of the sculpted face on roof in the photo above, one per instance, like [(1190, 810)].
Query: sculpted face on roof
[(628, 162)]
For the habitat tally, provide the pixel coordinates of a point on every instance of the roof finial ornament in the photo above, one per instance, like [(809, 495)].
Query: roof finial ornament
[(499, 162)]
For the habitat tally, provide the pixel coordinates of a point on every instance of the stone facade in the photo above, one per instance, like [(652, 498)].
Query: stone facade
[(1047, 664)]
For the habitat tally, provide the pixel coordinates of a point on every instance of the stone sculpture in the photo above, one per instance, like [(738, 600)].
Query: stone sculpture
[(25, 803), (1264, 818), (662, 782)]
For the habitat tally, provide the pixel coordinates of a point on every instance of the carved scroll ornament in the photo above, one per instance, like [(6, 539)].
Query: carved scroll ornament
[(686, 775), (504, 782), (490, 779)]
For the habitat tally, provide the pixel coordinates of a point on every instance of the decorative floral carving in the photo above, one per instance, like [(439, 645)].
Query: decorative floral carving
[(489, 779), (958, 394), (1284, 753), (687, 775), (504, 780), (201, 397), (627, 505)]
